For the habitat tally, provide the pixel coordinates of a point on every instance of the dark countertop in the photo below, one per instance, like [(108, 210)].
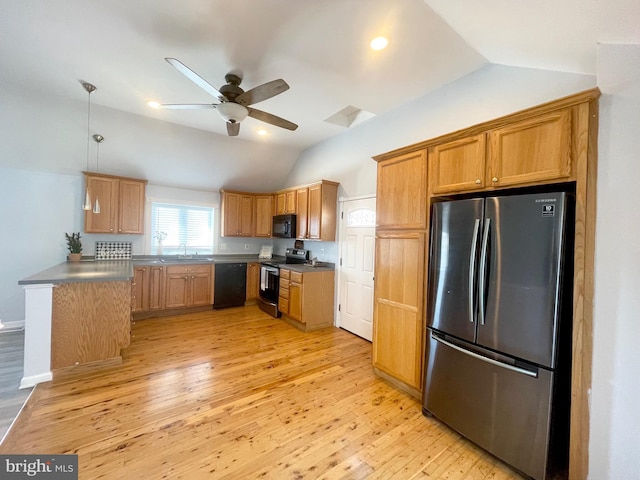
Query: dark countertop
[(90, 270), (304, 268), (84, 271)]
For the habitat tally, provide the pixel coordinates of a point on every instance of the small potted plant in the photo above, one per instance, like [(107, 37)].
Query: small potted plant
[(75, 246)]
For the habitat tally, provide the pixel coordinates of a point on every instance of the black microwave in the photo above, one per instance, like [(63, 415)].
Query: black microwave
[(284, 226)]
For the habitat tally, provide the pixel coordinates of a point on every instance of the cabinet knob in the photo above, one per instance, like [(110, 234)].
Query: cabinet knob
[(494, 179), (478, 182), (111, 229)]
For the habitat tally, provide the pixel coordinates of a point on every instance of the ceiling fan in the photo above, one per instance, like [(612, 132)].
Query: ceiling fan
[(233, 101)]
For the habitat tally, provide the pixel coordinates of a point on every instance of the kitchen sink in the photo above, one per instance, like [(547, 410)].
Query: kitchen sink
[(189, 259)]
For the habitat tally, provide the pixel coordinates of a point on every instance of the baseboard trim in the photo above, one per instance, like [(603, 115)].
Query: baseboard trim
[(33, 380)]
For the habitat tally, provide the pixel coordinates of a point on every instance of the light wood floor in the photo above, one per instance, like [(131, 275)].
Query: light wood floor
[(236, 394)]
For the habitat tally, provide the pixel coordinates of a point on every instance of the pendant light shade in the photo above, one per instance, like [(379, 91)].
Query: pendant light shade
[(87, 200), (98, 139)]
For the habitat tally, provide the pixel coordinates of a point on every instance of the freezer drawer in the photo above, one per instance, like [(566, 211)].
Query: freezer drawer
[(502, 410)]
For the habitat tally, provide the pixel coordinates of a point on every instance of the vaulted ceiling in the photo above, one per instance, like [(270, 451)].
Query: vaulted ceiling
[(321, 48)]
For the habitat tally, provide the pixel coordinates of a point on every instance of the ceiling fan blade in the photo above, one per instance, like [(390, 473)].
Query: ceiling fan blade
[(197, 79), (272, 119), (187, 106), (233, 129), (262, 92)]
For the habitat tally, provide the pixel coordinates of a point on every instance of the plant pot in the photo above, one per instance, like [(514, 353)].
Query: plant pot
[(74, 257)]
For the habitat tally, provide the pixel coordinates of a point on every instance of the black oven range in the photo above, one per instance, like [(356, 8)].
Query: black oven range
[(270, 279)]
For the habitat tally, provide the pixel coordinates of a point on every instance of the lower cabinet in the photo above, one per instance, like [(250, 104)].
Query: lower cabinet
[(147, 289), (306, 298), (398, 318), (157, 288), (188, 286)]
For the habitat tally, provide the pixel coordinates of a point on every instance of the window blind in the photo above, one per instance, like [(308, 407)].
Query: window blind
[(181, 226)]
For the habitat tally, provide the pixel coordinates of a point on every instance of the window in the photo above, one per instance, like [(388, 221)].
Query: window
[(180, 228), (363, 217)]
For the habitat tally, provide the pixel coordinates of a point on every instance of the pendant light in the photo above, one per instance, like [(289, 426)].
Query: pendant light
[(98, 139), (90, 89)]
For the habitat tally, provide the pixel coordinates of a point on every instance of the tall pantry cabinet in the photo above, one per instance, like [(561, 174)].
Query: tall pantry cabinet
[(401, 236)]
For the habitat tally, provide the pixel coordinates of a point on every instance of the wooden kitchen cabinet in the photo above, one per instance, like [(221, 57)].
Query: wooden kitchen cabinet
[(253, 282), (402, 191), (237, 214), (458, 165), (286, 202), (121, 204), (188, 286), (317, 211), (533, 151), (156, 288), (140, 289), (147, 288), (306, 299), (398, 322), (263, 207)]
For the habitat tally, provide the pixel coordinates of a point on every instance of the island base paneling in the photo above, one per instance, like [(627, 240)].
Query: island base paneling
[(90, 322)]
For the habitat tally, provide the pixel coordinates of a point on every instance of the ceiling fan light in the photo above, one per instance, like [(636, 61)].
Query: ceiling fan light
[(232, 112)]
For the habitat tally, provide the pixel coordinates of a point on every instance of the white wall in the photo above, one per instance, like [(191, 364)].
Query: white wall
[(614, 450)]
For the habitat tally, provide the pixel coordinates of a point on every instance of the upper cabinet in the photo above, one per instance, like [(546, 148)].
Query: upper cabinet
[(458, 165), (237, 214), (121, 204), (317, 211), (286, 202), (402, 183), (251, 214), (262, 215), (532, 151)]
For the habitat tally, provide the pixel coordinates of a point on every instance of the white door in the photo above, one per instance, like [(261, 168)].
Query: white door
[(357, 253)]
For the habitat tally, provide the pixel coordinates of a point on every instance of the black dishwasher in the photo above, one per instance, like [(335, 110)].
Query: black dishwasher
[(230, 285)]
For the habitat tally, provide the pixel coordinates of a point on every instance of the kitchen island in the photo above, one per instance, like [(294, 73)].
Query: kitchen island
[(75, 313)]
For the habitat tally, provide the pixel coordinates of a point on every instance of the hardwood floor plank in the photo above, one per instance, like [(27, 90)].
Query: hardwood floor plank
[(234, 394)]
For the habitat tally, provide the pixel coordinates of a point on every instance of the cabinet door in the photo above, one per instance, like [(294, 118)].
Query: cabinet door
[(302, 207), (246, 216), (156, 288), (290, 202), (253, 280), (200, 288), (281, 203), (177, 288), (263, 215), (295, 301), (398, 325), (534, 150), (402, 191), (314, 212), (106, 191), (458, 165), (140, 289), (131, 206)]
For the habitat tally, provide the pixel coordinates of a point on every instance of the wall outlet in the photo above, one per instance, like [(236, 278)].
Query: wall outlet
[(223, 246), (246, 246)]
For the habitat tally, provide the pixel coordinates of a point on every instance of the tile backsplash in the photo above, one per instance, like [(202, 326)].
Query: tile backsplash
[(113, 250)]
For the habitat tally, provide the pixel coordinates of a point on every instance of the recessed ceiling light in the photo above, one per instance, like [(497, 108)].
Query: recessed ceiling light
[(262, 132), (379, 43), (153, 104)]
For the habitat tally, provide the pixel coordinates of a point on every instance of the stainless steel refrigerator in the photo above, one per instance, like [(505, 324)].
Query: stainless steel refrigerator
[(499, 318)]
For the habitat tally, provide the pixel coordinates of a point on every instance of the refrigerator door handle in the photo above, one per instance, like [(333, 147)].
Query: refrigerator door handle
[(485, 359), (472, 268), (483, 269)]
